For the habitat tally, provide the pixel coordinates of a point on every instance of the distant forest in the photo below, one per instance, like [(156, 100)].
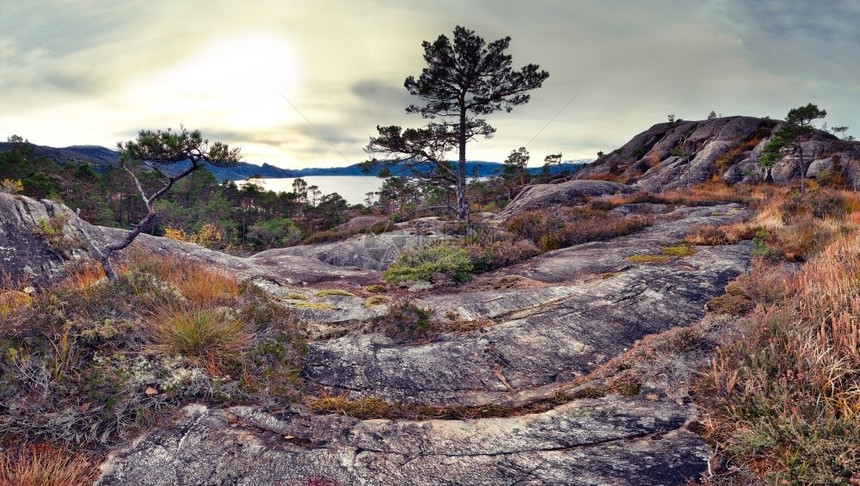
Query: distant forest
[(240, 218)]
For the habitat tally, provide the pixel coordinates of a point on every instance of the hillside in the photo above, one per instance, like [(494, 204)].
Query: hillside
[(100, 158), (591, 332), (672, 155)]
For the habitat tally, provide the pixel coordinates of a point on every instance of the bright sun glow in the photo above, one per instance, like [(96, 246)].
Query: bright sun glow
[(233, 81)]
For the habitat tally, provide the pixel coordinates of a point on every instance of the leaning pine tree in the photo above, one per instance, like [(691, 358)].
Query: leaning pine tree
[(157, 150), (462, 81)]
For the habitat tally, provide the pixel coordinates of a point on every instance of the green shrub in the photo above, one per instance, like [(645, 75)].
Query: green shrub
[(437, 263)]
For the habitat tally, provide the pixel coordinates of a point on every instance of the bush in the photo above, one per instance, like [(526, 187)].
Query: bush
[(75, 367), (782, 396), (706, 235), (437, 263), (552, 230), (405, 321), (501, 253)]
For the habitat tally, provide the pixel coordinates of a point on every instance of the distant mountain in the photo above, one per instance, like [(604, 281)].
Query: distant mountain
[(99, 158), (95, 156)]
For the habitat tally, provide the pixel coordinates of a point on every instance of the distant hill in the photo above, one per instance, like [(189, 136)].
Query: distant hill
[(99, 158), (93, 155)]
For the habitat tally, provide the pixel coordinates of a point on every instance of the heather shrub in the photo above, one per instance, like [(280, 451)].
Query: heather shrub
[(91, 363), (706, 235), (782, 395), (552, 230), (405, 321), (500, 253)]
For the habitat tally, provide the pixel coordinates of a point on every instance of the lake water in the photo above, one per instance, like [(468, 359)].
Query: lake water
[(353, 189)]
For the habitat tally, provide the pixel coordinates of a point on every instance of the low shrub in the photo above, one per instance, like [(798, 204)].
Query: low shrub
[(735, 305), (435, 263), (706, 235), (337, 292), (500, 253), (92, 365), (782, 395), (406, 322), (554, 229)]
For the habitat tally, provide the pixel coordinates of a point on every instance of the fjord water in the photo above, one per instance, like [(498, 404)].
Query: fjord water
[(353, 189)]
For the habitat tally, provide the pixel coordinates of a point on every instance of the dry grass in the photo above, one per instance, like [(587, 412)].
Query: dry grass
[(783, 397), (83, 275), (198, 284), (45, 465), (704, 194), (208, 336), (13, 300)]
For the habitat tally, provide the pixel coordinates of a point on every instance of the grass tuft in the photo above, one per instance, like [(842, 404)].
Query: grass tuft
[(46, 465), (209, 336)]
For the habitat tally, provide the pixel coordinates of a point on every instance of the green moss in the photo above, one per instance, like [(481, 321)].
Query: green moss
[(339, 292), (376, 289), (681, 250), (313, 306), (648, 258), (375, 300)]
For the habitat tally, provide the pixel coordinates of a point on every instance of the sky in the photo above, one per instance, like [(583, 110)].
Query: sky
[(302, 84)]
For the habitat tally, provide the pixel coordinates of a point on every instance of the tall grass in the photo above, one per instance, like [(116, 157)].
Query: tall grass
[(783, 397), (198, 284), (209, 336), (45, 465)]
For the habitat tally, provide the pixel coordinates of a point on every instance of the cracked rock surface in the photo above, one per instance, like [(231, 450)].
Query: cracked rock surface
[(578, 315), (593, 304), (612, 440)]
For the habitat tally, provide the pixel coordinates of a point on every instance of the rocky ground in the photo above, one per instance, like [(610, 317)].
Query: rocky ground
[(576, 370)]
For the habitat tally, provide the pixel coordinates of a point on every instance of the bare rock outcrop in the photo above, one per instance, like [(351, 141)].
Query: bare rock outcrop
[(674, 155), (613, 440), (575, 312), (567, 193), (591, 304), (38, 239)]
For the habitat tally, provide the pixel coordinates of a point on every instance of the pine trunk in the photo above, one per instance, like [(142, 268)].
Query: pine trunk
[(462, 201)]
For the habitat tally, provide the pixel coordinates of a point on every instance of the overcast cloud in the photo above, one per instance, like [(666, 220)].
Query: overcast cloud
[(300, 84)]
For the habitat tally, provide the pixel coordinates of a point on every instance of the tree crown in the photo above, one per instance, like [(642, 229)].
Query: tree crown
[(168, 147), (470, 75)]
